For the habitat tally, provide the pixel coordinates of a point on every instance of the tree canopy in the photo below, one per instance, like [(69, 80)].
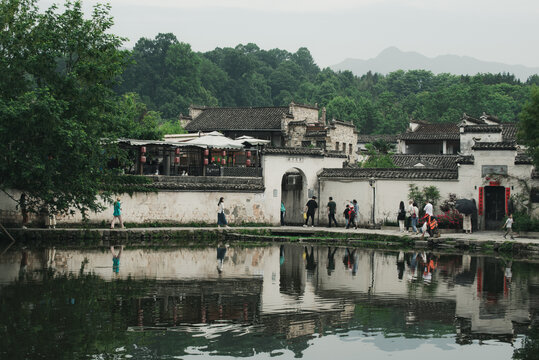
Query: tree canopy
[(249, 76), (58, 109), (529, 125)]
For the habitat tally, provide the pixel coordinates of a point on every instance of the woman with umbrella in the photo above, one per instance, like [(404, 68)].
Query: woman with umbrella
[(466, 208)]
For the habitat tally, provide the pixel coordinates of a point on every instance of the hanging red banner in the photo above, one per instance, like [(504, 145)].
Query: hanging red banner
[(480, 202), (507, 196)]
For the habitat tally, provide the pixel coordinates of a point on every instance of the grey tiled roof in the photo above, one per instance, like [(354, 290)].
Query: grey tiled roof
[(301, 151), (429, 161), (394, 173), (504, 145), (446, 131), (366, 139), (465, 159), (509, 131), (482, 129), (523, 159), (255, 118)]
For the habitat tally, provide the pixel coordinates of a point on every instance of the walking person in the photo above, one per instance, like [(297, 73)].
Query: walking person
[(332, 207), (310, 207), (408, 222), (221, 218), (356, 210), (414, 216), (346, 214), (508, 227), (467, 223), (428, 209), (283, 212), (117, 214), (401, 217), (351, 216)]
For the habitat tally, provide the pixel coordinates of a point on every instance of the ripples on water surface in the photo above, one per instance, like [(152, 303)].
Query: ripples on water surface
[(279, 301)]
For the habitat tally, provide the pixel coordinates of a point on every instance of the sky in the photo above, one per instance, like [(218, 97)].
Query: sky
[(333, 30)]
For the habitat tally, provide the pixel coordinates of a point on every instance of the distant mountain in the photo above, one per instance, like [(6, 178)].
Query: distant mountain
[(392, 59)]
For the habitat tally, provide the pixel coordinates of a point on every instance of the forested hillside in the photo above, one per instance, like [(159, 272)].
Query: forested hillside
[(168, 76)]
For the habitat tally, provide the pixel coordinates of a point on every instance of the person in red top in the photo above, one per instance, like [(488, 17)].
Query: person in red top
[(351, 217)]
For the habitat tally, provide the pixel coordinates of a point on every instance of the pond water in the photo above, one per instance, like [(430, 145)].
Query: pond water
[(283, 301)]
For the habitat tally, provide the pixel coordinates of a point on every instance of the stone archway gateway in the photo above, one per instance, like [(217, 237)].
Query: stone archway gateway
[(293, 185)]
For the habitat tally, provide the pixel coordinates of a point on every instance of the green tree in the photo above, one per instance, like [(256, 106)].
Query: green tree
[(343, 108), (166, 74), (528, 131), (138, 122), (57, 104), (376, 159)]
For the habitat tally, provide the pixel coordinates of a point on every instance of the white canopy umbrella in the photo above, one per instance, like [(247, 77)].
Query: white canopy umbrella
[(251, 140), (215, 140)]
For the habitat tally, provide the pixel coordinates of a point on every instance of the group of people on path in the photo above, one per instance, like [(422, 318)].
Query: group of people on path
[(350, 213), (351, 216)]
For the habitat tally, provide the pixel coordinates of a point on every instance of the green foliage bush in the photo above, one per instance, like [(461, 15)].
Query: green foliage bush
[(524, 222)]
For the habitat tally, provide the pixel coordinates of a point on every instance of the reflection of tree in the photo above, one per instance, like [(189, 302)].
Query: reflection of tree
[(530, 345), (63, 317)]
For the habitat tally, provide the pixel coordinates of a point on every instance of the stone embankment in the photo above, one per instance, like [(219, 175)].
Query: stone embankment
[(175, 236)]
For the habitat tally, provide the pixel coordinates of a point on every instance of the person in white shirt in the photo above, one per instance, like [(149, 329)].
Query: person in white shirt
[(508, 227), (428, 209)]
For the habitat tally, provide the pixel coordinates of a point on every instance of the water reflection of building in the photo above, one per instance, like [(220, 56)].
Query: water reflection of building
[(283, 293)]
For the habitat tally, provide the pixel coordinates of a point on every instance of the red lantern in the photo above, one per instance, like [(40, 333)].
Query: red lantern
[(177, 160), (142, 159), (205, 161), (248, 162), (224, 153), (223, 161), (143, 149), (248, 154), (206, 152), (177, 151), (212, 159)]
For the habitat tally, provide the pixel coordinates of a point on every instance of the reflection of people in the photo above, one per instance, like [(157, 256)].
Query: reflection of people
[(331, 260), (221, 252), (310, 208), (400, 265), (221, 218), (117, 214), (116, 259), (24, 210), (24, 264), (507, 276), (281, 255), (311, 265), (350, 260)]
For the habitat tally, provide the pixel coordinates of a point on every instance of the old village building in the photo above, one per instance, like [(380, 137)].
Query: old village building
[(475, 159)]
